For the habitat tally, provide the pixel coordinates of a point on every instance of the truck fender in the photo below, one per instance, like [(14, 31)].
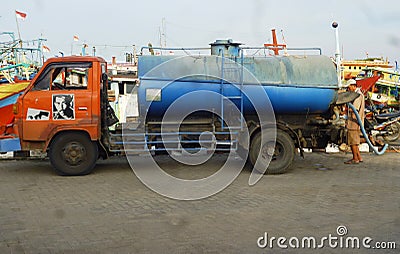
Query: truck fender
[(50, 140), (293, 134), (102, 150), (254, 128)]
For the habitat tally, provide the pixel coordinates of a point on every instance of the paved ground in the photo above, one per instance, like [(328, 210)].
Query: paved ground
[(110, 211)]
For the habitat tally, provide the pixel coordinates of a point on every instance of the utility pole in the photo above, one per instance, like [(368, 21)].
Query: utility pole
[(163, 34), (19, 33), (335, 26)]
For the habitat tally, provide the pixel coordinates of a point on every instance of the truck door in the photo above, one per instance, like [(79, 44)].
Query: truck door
[(60, 97)]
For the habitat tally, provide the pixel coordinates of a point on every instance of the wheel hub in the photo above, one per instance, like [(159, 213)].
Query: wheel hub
[(272, 150), (74, 153), (268, 151)]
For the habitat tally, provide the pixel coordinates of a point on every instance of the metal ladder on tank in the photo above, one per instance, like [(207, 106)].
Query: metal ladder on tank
[(232, 67)]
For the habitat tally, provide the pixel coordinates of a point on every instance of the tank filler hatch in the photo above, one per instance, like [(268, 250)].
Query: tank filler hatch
[(227, 48)]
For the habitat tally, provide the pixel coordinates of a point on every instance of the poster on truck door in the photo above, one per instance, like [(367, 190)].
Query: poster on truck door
[(34, 114), (63, 107)]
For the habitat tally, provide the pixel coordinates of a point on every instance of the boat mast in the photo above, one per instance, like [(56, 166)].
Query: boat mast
[(274, 46)]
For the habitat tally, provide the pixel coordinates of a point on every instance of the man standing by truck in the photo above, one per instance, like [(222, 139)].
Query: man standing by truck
[(352, 125)]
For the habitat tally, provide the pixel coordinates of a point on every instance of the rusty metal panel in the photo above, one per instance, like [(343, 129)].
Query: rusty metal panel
[(305, 71), (314, 71)]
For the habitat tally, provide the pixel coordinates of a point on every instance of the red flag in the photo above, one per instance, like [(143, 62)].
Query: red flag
[(45, 48), (21, 15)]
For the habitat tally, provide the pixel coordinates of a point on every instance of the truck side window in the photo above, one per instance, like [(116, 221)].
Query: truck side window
[(43, 83), (59, 76), (78, 78), (70, 78), (58, 79)]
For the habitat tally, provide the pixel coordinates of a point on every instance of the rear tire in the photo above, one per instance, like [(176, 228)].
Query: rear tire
[(242, 152), (73, 154), (279, 155)]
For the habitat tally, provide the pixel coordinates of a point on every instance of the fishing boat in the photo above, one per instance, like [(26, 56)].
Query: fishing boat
[(352, 68), (387, 87), (19, 62), (8, 96), (19, 59), (377, 79)]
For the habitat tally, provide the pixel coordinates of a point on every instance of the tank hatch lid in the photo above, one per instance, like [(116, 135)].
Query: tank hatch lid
[(225, 42)]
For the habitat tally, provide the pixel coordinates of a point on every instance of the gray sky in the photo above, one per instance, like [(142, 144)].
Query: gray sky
[(365, 25)]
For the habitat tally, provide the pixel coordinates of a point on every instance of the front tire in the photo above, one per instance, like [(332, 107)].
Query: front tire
[(279, 154), (73, 154), (394, 130)]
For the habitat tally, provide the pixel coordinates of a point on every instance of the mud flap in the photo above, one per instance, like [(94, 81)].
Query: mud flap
[(111, 118)]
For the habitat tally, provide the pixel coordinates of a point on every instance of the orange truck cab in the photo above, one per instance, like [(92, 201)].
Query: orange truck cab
[(61, 112)]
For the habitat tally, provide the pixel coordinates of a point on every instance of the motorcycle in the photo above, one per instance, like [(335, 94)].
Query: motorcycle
[(385, 125)]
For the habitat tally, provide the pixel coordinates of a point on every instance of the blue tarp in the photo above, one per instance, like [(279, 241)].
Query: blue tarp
[(10, 145)]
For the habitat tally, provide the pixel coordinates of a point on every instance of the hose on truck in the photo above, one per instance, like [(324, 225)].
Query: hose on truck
[(365, 133)]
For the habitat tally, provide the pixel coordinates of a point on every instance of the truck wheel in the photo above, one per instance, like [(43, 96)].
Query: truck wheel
[(73, 154), (280, 154), (242, 152)]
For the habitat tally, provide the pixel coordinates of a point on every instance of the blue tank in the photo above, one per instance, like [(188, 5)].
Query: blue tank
[(294, 84)]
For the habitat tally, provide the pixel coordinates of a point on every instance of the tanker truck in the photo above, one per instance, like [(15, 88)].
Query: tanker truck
[(263, 107)]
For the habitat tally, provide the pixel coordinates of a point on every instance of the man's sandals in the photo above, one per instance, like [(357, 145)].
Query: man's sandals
[(352, 162)]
